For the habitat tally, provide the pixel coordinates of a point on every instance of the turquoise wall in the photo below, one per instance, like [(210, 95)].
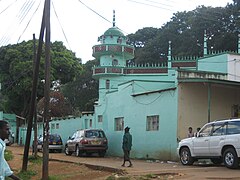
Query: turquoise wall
[(65, 127), (213, 64), (146, 144)]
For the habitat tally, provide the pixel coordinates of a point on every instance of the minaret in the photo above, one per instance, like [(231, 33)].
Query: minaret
[(238, 43), (113, 53), (113, 49), (205, 44), (169, 55)]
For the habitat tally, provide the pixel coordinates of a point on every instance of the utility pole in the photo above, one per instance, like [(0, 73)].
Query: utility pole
[(46, 93), (45, 25), (35, 109)]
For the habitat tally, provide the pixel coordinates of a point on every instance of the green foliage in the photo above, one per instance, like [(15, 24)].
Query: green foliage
[(8, 155), (83, 92), (35, 160), (186, 30), (16, 72), (26, 175)]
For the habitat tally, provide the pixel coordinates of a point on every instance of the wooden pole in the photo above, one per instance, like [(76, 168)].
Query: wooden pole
[(33, 96), (35, 112), (46, 94)]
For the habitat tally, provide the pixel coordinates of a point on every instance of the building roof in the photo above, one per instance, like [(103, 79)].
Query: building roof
[(113, 31)]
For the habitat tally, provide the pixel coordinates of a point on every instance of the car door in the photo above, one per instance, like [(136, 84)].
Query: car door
[(201, 142), (217, 138)]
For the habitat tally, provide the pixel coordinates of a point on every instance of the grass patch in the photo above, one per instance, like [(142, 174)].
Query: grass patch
[(26, 175), (8, 155), (35, 160)]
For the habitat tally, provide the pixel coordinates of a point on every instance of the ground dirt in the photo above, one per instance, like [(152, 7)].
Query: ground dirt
[(58, 169)]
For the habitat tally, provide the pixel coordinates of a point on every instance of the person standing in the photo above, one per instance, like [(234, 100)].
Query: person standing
[(126, 146), (5, 170), (190, 132)]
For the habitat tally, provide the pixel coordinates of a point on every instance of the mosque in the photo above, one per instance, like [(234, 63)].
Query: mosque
[(157, 101)]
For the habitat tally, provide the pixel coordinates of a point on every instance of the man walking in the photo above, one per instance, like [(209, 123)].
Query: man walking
[(126, 146), (4, 167)]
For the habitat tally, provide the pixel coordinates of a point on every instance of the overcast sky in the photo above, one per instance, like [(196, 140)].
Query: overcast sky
[(78, 23)]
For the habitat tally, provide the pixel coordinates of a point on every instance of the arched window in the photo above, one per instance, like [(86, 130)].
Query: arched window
[(115, 62), (107, 84)]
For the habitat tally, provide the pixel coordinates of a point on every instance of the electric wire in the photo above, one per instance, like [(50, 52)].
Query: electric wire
[(24, 10), (29, 21), (95, 12), (7, 7), (152, 5), (64, 34), (159, 3)]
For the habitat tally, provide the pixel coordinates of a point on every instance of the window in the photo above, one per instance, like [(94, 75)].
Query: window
[(219, 129), (52, 126), (57, 126), (115, 62), (152, 123), (107, 84), (206, 131), (100, 118), (233, 127), (90, 123), (119, 124)]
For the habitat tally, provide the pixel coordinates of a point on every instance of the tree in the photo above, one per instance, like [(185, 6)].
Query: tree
[(16, 70), (186, 30), (59, 106), (83, 92)]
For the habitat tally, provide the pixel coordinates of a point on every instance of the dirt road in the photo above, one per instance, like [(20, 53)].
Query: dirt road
[(141, 167)]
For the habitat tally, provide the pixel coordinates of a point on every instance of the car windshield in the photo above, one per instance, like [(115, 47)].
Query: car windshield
[(54, 138), (94, 133)]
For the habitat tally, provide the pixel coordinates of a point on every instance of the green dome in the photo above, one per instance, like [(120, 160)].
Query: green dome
[(113, 31)]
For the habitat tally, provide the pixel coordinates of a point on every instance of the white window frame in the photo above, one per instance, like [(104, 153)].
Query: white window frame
[(152, 123), (119, 123)]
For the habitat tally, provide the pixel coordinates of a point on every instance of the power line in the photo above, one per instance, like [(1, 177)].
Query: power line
[(94, 11), (152, 5), (29, 21), (60, 25), (7, 7)]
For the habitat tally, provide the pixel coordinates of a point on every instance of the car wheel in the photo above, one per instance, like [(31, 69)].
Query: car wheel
[(102, 153), (185, 156), (67, 152), (216, 161), (230, 158), (78, 151)]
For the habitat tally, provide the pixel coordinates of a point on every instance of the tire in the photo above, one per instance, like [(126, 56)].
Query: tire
[(216, 161), (185, 156), (78, 152), (67, 152), (230, 158)]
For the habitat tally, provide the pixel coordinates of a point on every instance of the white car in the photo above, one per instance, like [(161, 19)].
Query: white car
[(218, 141)]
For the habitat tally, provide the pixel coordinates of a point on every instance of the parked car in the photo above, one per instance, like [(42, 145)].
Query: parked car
[(55, 143), (218, 141), (87, 141)]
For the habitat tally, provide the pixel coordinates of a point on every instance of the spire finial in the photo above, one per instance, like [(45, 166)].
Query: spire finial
[(113, 18), (205, 44)]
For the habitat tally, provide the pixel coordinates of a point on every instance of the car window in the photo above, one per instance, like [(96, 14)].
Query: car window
[(94, 133), (233, 127), (73, 136), (206, 131), (55, 138), (219, 129)]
